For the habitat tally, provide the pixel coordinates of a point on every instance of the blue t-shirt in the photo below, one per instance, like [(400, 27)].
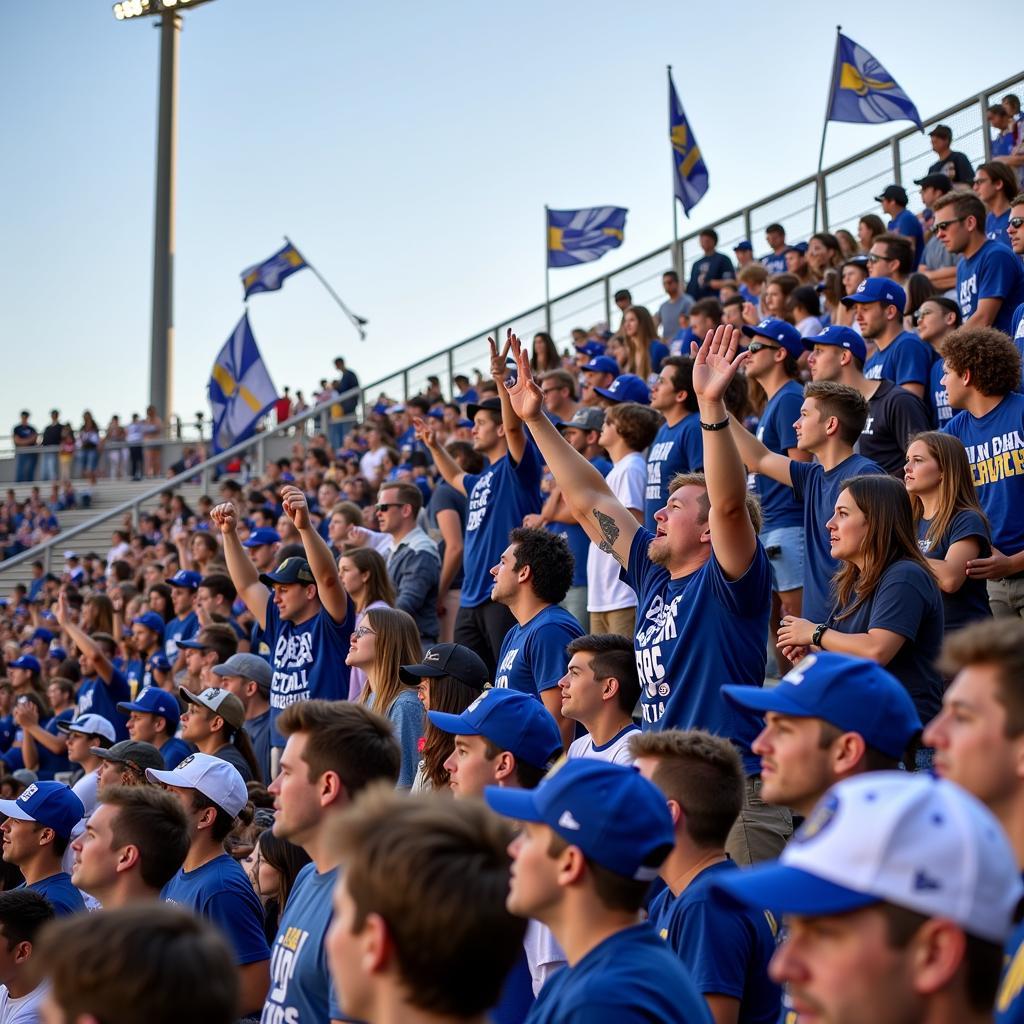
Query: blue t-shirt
[(174, 751), (905, 360), (179, 629), (499, 498), (1009, 1004), (970, 602), (906, 601), (659, 352), (49, 762), (993, 272), (1017, 333), (629, 978), (95, 697), (818, 491), (725, 949), (995, 227), (692, 635), (7, 731), (258, 731), (221, 892), (776, 431), (906, 224), (308, 660), (676, 449), (532, 657), (300, 985), (576, 537), (995, 450), (447, 499), (775, 262), (938, 399), (66, 899)]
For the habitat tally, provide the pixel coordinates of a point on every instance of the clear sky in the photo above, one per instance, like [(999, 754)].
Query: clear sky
[(407, 148)]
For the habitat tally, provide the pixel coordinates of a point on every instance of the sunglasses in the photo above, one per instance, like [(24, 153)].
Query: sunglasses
[(383, 506), (756, 346), (873, 257), (1015, 222), (943, 225)]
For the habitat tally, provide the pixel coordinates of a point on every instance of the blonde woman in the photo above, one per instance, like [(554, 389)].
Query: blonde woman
[(364, 575)]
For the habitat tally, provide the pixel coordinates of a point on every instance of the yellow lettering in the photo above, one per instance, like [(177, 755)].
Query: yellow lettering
[(1012, 983)]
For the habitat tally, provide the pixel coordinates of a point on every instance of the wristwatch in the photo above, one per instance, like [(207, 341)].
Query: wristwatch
[(818, 632)]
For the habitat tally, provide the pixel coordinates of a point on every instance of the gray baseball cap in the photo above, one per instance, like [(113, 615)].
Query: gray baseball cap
[(248, 666), (586, 417)]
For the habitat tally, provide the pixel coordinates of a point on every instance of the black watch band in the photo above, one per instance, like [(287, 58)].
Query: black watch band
[(715, 426), (819, 631)]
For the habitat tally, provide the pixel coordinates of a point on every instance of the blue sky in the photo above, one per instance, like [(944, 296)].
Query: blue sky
[(408, 149)]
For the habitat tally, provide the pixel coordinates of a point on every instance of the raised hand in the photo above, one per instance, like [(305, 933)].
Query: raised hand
[(62, 609), (295, 508), (525, 395), (425, 431), (499, 371), (225, 515), (715, 363)]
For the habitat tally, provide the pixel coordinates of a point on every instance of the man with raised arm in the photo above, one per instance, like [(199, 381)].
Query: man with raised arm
[(302, 609), (703, 581)]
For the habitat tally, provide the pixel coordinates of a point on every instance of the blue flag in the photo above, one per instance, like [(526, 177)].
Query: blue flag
[(579, 236), (240, 388), (690, 174), (863, 91), (269, 275)]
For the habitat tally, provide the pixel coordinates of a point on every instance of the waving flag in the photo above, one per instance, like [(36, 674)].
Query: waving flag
[(240, 388), (691, 174), (863, 91), (579, 236), (269, 275)]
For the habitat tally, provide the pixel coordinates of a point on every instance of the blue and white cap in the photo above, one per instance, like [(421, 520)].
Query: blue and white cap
[(184, 578), (261, 535), (840, 337), (627, 387), (51, 804), (219, 781), (904, 838), (613, 814), (90, 725), (777, 330), (878, 289)]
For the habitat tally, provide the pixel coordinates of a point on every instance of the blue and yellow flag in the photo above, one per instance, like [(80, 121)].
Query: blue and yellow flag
[(690, 175), (269, 275), (240, 388), (579, 236), (863, 91)]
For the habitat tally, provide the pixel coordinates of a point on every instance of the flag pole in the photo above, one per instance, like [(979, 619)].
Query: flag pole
[(357, 321), (819, 196), (677, 261), (547, 272)]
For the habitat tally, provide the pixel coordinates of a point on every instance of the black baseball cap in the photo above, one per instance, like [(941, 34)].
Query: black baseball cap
[(291, 570), (895, 192), (939, 181), (490, 404), (943, 131), (453, 660)]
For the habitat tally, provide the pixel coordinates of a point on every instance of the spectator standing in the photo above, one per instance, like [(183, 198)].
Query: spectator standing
[(153, 433), (676, 302), (710, 269), (283, 406), (51, 440), (1001, 120), (901, 221), (25, 439), (775, 261), (113, 444), (248, 677), (995, 185), (952, 163), (938, 264), (134, 435)]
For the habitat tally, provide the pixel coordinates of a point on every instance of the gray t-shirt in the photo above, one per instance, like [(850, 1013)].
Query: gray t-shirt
[(669, 312)]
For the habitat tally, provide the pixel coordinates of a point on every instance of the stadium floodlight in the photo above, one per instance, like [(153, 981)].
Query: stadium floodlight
[(162, 331)]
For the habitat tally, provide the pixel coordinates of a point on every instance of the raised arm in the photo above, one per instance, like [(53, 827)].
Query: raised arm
[(446, 465), (515, 436), (325, 570), (243, 573), (733, 538), (758, 458), (608, 523), (82, 640)]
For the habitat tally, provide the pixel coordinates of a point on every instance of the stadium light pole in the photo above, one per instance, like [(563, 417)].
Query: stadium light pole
[(161, 346)]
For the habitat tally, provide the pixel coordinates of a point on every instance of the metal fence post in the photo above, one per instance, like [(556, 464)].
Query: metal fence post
[(747, 232), (823, 200), (451, 371), (897, 174), (986, 138), (405, 385), (608, 301)]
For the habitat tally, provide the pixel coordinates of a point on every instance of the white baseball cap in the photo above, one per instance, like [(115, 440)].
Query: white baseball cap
[(90, 725), (217, 780), (908, 839)]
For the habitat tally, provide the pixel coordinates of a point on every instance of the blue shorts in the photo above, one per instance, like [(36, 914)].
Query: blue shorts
[(785, 547)]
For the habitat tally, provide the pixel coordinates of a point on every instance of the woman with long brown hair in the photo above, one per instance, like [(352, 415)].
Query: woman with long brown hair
[(364, 575), (951, 527), (887, 604), (98, 614), (386, 640), (638, 332)]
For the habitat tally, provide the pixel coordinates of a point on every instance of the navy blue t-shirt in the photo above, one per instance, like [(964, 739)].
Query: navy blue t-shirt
[(308, 660), (818, 491), (995, 227), (221, 892), (906, 601), (66, 899), (776, 431), (301, 991), (714, 267), (726, 949), (447, 499), (179, 629), (970, 602), (995, 450), (905, 360), (692, 635), (993, 272), (174, 751), (775, 262), (675, 449), (906, 224), (938, 400), (96, 697), (499, 498), (629, 978), (49, 762), (532, 657)]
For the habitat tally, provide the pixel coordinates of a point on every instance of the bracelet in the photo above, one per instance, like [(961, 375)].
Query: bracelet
[(819, 631), (715, 426)]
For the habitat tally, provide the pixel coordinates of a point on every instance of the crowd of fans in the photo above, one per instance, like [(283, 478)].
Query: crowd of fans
[(467, 708)]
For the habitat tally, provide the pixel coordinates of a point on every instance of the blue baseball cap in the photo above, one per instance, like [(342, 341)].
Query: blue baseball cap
[(51, 804), (514, 721), (610, 811), (436, 414), (464, 422), (778, 330), (602, 364), (743, 246), (593, 349), (159, 662), (262, 535), (56, 652), (154, 701), (800, 247), (42, 634), (185, 578), (627, 387), (840, 337), (151, 621), (853, 694), (29, 661), (878, 289)]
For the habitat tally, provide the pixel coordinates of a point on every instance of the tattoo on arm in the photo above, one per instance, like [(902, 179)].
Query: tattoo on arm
[(610, 532)]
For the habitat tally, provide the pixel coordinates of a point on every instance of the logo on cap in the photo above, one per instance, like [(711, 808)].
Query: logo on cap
[(186, 761), (30, 792), (568, 821), (432, 656), (818, 820)]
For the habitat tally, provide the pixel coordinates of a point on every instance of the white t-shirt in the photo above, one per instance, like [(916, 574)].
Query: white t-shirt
[(85, 789), (370, 463), (543, 954), (615, 751), (24, 1010), (605, 591)]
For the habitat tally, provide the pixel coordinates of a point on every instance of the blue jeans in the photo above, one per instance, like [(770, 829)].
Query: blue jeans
[(25, 466)]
